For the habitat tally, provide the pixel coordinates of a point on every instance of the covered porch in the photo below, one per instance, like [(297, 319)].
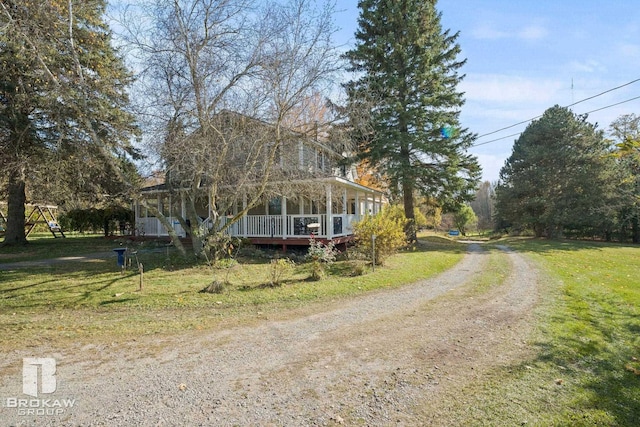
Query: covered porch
[(281, 220)]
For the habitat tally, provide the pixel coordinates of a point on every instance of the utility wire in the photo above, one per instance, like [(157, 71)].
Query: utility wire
[(570, 105), (588, 112)]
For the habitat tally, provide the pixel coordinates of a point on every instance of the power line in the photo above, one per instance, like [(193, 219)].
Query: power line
[(612, 105), (602, 93), (570, 105), (518, 133), (497, 139)]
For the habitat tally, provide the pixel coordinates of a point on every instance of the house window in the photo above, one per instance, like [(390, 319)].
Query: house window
[(275, 206)]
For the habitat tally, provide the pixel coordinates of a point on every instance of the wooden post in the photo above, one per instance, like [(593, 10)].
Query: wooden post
[(141, 270)]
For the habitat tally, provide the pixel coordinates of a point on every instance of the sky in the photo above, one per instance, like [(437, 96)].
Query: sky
[(525, 56)]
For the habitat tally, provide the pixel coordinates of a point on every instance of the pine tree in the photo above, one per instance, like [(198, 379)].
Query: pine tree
[(559, 179), (408, 76), (62, 98)]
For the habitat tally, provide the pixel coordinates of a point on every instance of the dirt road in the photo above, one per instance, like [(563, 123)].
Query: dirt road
[(387, 358)]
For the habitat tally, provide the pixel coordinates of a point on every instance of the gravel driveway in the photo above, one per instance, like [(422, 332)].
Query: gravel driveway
[(385, 358)]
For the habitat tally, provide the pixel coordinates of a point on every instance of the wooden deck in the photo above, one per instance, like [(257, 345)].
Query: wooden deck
[(340, 242)]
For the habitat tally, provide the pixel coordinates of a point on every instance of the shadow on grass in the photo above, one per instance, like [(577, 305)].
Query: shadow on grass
[(540, 245), (600, 352), (117, 301), (80, 287)]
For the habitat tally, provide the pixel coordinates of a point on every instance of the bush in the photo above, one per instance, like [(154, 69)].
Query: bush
[(220, 246), (388, 227), (320, 255), (94, 220), (281, 269)]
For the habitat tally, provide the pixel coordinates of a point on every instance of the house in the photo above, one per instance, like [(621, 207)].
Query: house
[(322, 199)]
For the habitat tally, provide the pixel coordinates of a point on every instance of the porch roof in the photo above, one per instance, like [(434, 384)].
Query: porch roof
[(162, 188)]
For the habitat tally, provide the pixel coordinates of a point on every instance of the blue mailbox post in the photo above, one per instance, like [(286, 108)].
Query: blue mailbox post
[(120, 252)]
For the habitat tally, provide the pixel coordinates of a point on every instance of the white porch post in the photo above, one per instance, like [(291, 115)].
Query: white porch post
[(284, 217), (243, 221), (366, 204), (136, 211), (158, 223), (329, 209), (357, 211), (344, 201)]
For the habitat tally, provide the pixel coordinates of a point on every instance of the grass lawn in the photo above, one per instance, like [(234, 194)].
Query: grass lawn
[(44, 245), (586, 366), (584, 369), (92, 301)]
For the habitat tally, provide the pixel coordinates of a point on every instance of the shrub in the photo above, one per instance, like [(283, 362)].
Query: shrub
[(388, 227), (281, 269), (94, 219), (215, 287), (220, 246), (421, 219), (320, 255)]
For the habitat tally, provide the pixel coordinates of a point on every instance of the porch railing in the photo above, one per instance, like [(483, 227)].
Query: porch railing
[(292, 226)]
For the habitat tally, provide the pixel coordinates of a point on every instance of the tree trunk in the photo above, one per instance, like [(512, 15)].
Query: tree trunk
[(175, 239), (407, 192), (409, 211), (15, 234), (196, 232)]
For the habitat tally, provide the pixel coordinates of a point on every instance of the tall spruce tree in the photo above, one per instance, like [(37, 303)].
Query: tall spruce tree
[(62, 99), (407, 69)]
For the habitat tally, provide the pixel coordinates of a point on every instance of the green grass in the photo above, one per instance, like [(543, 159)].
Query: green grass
[(92, 300), (44, 245), (584, 370)]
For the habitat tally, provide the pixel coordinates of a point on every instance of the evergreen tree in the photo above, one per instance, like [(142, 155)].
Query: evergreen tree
[(625, 131), (62, 99), (408, 74), (559, 179)]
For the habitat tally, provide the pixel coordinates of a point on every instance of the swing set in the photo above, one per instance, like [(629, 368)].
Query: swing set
[(40, 214)]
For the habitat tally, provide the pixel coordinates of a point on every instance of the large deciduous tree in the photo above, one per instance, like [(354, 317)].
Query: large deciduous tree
[(62, 99), (483, 205), (407, 70), (560, 179), (224, 79)]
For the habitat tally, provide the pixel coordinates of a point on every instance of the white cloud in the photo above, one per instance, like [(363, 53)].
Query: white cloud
[(629, 51), (588, 66), (506, 89), (489, 31), (533, 32)]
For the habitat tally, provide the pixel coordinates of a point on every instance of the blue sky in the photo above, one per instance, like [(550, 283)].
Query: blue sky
[(523, 56)]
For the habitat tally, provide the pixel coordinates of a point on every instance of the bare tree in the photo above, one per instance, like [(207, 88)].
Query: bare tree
[(482, 205), (220, 80)]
